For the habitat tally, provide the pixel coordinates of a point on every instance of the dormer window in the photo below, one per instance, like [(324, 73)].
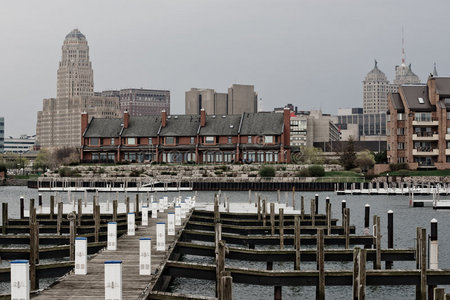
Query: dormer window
[(95, 141), (131, 141), (210, 140), (420, 99)]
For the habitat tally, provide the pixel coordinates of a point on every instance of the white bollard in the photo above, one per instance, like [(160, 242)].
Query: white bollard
[(171, 223), (178, 215), (154, 209), (160, 236), (80, 256), (113, 280), (161, 205), (183, 209), (145, 256), (20, 280), (166, 202), (131, 223), (144, 215), (112, 236)]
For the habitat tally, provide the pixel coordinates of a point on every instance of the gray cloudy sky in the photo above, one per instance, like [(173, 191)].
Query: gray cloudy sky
[(312, 53)]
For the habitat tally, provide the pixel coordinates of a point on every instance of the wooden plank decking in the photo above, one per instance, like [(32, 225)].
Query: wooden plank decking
[(91, 286)]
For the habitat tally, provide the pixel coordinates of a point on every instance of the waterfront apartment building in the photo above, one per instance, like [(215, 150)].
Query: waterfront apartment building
[(58, 124), (2, 134), (419, 124), (239, 99), (141, 102), (22, 144), (211, 139)]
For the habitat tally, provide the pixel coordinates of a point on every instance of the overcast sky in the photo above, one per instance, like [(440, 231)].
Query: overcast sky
[(312, 53)]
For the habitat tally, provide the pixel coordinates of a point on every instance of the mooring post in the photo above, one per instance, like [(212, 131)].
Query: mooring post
[(343, 206), (320, 260), (136, 205), (226, 282), (359, 273), (277, 295), (367, 222), (439, 294), (278, 196), (264, 211), (80, 211), (30, 210), (34, 249), (293, 198), (220, 264), (316, 204), (272, 218), (423, 264), (114, 218), (281, 225), (390, 228), (4, 218), (52, 207), (355, 285), (302, 207), (59, 218), (347, 227), (97, 222), (216, 210), (127, 204), (434, 247), (22, 207), (377, 244), (73, 231), (249, 196), (329, 218), (297, 242), (418, 258), (258, 208), (312, 213)]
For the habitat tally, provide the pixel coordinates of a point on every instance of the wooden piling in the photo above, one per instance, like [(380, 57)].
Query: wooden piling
[(343, 206), (136, 205), (52, 207), (377, 244), (97, 222), (220, 264), (277, 295), (272, 218), (439, 294), (278, 196), (258, 208), (114, 217), (320, 260), (347, 227), (359, 273), (34, 249), (423, 264), (127, 204), (316, 204), (31, 209), (293, 197), (312, 212), (4, 218), (264, 211), (328, 218), (226, 283), (72, 217), (390, 229), (80, 211), (297, 242), (418, 258), (216, 210), (59, 218), (281, 227), (302, 207)]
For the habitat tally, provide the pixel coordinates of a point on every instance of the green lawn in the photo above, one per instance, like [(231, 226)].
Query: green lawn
[(418, 173)]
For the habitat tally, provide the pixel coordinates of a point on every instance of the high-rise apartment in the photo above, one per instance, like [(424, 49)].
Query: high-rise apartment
[(59, 122), (240, 98)]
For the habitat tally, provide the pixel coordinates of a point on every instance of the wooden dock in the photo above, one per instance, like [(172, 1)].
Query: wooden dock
[(92, 286)]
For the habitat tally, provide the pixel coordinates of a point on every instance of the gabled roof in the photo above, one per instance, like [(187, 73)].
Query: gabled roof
[(181, 125), (397, 102), (102, 127), (263, 123), (142, 126), (413, 93), (221, 125), (442, 85)]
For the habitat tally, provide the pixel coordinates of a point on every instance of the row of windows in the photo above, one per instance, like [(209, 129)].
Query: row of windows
[(170, 140)]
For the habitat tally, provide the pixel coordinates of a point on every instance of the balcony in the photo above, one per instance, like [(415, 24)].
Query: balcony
[(426, 136), (425, 151), (425, 122)]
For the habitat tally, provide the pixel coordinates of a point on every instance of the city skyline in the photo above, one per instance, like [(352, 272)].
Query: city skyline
[(291, 52)]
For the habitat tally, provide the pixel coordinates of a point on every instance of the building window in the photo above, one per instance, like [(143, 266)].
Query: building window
[(400, 116), (400, 160), (448, 130), (447, 159), (448, 145), (95, 141), (448, 117), (422, 117), (112, 141), (169, 140), (249, 139), (268, 139), (230, 140), (388, 118), (210, 139), (192, 140), (150, 141), (218, 157), (401, 146), (131, 141), (400, 131)]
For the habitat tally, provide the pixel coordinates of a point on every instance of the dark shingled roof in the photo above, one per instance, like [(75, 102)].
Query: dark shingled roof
[(181, 125), (262, 123), (397, 102), (412, 93), (219, 125), (104, 128), (442, 85), (142, 126)]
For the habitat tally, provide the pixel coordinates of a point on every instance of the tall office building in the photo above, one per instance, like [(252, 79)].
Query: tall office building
[(239, 99), (2, 134), (375, 89), (59, 122)]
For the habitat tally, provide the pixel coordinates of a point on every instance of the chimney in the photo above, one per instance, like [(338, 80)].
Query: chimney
[(202, 117), (126, 118), (287, 126), (84, 121), (163, 118)]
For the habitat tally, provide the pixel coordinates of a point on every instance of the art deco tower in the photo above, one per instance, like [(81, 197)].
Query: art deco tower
[(75, 75)]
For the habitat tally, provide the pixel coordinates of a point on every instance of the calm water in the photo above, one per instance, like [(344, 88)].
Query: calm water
[(406, 220)]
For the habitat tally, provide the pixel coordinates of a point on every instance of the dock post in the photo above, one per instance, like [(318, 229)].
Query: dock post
[(327, 200), (4, 218), (136, 205), (366, 222), (258, 208), (52, 207), (97, 222), (170, 223), (81, 256), (249, 196), (131, 218), (418, 256), (359, 273), (216, 209), (113, 279), (22, 207), (277, 292), (302, 207), (423, 264), (272, 218), (264, 211), (297, 243), (313, 215), (114, 216), (439, 294), (220, 264), (20, 279), (80, 211), (320, 289), (293, 198), (390, 228), (34, 249), (30, 210), (377, 265), (73, 231), (316, 204), (144, 220), (112, 236), (343, 206), (177, 215), (127, 204), (59, 218), (328, 218), (278, 196), (434, 247), (40, 201), (226, 282), (347, 227), (160, 236), (145, 256), (281, 227)]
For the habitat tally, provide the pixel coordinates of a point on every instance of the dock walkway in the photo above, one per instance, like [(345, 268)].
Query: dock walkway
[(92, 286)]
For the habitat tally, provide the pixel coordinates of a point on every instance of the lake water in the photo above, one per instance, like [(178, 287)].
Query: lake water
[(406, 219)]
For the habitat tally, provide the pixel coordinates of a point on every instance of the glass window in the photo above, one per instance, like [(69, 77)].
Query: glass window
[(192, 140), (209, 139), (249, 139), (400, 131), (448, 117), (218, 157), (112, 141), (95, 141), (150, 141), (400, 116), (229, 140), (268, 139), (422, 117), (401, 146), (170, 140)]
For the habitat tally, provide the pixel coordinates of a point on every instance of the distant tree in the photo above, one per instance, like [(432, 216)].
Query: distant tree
[(381, 157), (267, 171), (42, 160), (365, 160), (308, 156), (64, 156), (348, 156)]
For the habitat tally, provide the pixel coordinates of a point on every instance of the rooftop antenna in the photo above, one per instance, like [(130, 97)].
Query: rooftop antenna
[(403, 46)]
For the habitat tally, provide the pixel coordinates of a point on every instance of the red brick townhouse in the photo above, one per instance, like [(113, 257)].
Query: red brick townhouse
[(419, 124), (249, 137)]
